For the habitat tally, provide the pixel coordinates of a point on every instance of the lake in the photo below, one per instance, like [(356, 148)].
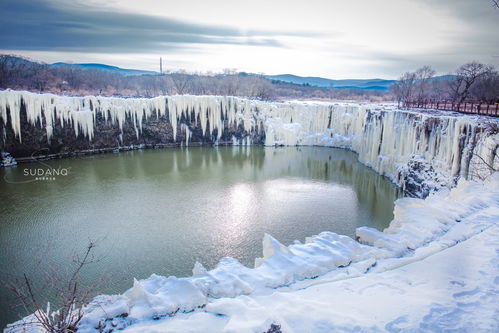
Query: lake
[(160, 211)]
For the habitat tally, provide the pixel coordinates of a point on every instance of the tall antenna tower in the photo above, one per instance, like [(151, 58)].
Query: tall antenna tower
[(160, 65)]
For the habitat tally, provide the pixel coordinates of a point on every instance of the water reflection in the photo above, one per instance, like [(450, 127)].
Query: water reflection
[(161, 210)]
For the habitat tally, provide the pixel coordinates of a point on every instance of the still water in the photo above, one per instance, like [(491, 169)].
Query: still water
[(158, 211)]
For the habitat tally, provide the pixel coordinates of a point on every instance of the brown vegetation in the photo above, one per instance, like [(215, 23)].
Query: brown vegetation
[(68, 292), (472, 83), (24, 74)]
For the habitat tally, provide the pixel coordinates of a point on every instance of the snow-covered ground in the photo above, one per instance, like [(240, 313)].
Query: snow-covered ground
[(434, 269), (453, 290)]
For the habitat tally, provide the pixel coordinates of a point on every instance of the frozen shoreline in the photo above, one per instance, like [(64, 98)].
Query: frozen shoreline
[(224, 298)]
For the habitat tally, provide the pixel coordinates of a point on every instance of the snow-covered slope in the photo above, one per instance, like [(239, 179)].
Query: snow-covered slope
[(422, 150), (454, 290)]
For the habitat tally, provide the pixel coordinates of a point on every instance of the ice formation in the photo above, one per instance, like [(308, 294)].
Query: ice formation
[(385, 139), (80, 112), (6, 159)]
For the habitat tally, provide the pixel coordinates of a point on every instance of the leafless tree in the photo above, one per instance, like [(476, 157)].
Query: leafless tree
[(13, 71), (70, 293), (466, 76), (201, 84), (486, 88), (230, 82), (481, 167), (423, 80), (165, 84), (41, 76), (181, 82), (404, 88)]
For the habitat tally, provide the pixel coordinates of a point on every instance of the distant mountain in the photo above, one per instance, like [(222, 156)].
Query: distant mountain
[(366, 84), (107, 68)]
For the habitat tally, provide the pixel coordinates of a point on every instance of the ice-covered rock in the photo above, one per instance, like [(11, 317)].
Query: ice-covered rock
[(7, 160)]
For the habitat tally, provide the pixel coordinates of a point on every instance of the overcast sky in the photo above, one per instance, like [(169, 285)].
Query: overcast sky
[(328, 38)]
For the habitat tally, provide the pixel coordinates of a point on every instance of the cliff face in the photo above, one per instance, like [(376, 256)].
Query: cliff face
[(418, 151), (35, 125)]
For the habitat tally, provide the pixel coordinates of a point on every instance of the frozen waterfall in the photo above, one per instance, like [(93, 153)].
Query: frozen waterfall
[(386, 139)]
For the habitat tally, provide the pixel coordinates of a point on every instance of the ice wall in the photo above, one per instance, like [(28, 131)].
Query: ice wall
[(80, 112), (402, 145), (393, 141)]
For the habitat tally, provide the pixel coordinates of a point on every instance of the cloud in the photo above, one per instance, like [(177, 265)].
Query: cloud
[(481, 19), (44, 25)]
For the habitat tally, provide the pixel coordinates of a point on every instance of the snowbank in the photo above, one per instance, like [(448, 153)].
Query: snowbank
[(421, 227), (453, 290)]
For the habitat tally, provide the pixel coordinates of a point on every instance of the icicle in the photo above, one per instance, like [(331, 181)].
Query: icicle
[(199, 269), (187, 132)]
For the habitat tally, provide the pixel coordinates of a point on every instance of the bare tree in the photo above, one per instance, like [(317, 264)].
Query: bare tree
[(6, 63), (486, 88), (181, 81), (71, 295), (201, 84), (229, 82), (262, 89), (423, 79), (41, 76), (482, 167), (404, 88), (466, 76), (13, 71)]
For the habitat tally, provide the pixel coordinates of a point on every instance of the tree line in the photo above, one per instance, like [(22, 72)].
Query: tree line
[(472, 82), (25, 74)]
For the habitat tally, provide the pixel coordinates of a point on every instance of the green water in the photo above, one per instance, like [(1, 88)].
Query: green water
[(158, 211)]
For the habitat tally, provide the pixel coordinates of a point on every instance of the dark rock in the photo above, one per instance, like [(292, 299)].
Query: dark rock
[(157, 132), (419, 179), (274, 329)]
